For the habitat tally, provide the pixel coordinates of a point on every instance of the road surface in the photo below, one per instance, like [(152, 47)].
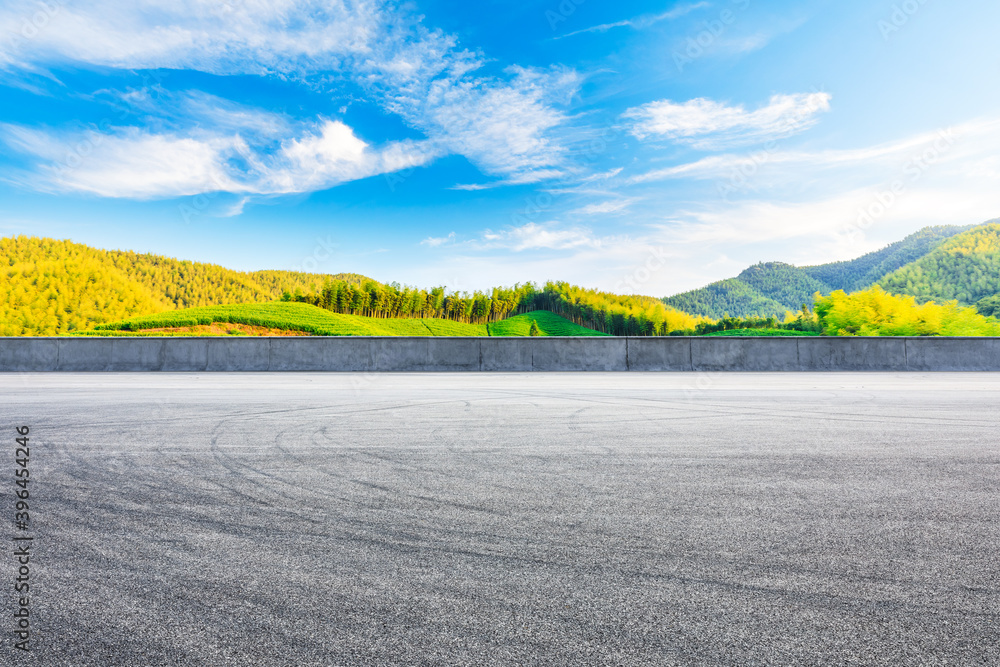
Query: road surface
[(481, 519)]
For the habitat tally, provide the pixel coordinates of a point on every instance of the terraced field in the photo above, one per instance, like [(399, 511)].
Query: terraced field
[(305, 319), (548, 322)]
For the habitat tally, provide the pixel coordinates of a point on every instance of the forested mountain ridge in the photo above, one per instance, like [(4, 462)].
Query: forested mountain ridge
[(772, 288), (56, 287), (731, 296), (857, 274), (50, 286), (965, 268)]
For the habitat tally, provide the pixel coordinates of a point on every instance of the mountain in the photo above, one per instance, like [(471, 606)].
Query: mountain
[(49, 286), (772, 288), (53, 287), (731, 296), (869, 269), (965, 268), (56, 287)]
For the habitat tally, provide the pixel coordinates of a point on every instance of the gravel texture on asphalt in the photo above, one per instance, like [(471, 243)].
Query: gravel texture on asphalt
[(481, 519)]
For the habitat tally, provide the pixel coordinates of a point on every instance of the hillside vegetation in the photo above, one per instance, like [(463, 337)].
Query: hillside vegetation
[(772, 288), (548, 323), (731, 296), (763, 333), (613, 313), (875, 312), (51, 286), (56, 287), (309, 319), (965, 268)]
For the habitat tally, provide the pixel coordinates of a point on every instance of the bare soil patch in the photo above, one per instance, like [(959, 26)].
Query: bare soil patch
[(227, 329)]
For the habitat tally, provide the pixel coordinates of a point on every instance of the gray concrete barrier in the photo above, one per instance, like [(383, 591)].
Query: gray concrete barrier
[(359, 354)]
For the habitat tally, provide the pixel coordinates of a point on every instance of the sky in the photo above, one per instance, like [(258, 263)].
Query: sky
[(630, 146)]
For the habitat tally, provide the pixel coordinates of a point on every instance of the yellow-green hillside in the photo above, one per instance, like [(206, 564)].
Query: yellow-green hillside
[(49, 286)]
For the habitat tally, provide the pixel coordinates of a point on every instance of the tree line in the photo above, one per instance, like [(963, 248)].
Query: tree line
[(613, 314), (372, 299)]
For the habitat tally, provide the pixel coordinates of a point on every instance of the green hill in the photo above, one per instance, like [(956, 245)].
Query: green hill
[(548, 323), (860, 273), (772, 288), (965, 268), (726, 297), (49, 286), (54, 287), (308, 319), (783, 283)]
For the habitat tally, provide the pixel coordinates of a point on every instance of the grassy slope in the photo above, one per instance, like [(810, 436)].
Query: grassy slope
[(49, 286), (548, 322), (304, 317)]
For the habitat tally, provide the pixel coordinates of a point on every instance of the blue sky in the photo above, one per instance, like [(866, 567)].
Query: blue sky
[(637, 147)]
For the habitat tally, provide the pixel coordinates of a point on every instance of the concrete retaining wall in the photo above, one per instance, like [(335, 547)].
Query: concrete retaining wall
[(499, 354)]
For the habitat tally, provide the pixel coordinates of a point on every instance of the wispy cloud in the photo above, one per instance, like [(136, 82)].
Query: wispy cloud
[(708, 124), (641, 22), (532, 236), (132, 163), (605, 207), (790, 162), (504, 123), (291, 36), (434, 242), (813, 207)]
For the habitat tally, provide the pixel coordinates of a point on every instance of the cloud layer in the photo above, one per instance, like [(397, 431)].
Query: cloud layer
[(132, 163), (505, 124), (708, 124)]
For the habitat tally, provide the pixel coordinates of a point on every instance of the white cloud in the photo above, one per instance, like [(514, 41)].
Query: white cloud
[(792, 163), (815, 207), (438, 241), (642, 22), (704, 123), (606, 207), (241, 36), (127, 162), (603, 176), (533, 236), (505, 124), (503, 128)]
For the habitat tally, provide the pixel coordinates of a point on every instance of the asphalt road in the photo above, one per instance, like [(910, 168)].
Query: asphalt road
[(478, 519)]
